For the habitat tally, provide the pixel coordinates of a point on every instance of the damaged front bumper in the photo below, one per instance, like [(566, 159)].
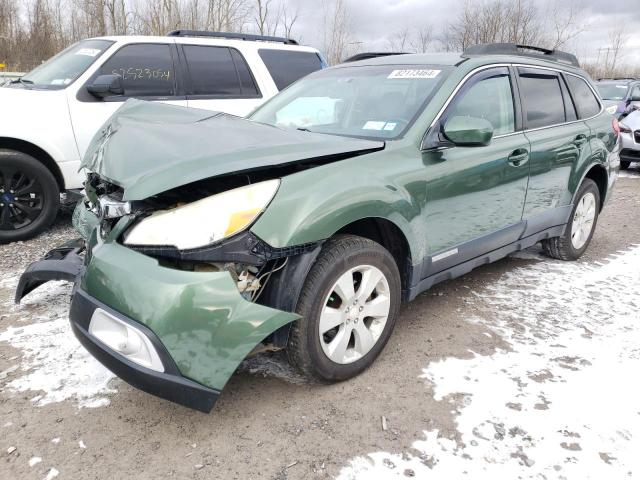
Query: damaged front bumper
[(196, 325)]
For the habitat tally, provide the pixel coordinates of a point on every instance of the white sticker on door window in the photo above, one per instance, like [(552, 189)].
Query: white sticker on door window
[(414, 73), (390, 126), (89, 52)]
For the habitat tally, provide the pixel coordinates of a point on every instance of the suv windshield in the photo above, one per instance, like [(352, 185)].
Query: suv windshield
[(65, 67), (613, 91), (378, 102)]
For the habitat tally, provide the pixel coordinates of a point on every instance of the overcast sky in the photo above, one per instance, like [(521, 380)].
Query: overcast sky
[(373, 21)]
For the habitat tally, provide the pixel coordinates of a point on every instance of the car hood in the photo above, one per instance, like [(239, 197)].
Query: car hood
[(147, 148), (632, 120)]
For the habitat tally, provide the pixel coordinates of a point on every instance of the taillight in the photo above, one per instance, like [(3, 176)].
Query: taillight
[(616, 127)]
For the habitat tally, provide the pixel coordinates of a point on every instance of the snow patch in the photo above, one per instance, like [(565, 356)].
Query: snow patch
[(53, 361), (562, 403), (34, 461)]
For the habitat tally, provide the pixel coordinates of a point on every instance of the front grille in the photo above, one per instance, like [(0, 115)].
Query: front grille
[(636, 136)]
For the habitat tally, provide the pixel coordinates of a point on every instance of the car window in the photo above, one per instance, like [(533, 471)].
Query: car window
[(146, 69), (583, 97), (286, 66), (542, 98), (635, 93), (489, 98), (613, 91), (371, 101), (218, 71), (61, 70)]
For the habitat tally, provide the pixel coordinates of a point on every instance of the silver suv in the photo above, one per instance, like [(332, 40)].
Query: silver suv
[(630, 139), (621, 95)]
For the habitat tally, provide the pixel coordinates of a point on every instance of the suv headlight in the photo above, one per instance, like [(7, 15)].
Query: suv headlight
[(205, 221)]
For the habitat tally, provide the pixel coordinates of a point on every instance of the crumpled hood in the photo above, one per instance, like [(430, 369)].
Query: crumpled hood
[(148, 148)]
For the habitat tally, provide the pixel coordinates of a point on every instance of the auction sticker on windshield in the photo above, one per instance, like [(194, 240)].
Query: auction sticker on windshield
[(90, 52), (414, 73)]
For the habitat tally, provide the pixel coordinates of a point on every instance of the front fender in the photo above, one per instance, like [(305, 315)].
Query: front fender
[(313, 205)]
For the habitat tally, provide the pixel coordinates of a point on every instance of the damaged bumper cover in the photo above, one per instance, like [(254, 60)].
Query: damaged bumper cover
[(196, 323)]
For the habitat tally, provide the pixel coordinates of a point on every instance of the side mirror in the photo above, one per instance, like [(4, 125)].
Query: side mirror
[(106, 86), (468, 131)]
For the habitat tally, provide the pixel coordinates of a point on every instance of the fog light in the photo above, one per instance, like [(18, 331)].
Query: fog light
[(125, 339)]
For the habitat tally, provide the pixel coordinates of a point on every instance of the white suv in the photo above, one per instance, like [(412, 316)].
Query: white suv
[(49, 116)]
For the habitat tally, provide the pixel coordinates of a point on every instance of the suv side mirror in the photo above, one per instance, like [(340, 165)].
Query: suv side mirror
[(106, 85), (468, 131)]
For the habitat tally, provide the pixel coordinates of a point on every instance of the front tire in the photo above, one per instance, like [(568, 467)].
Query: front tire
[(349, 304), (29, 196), (582, 224)]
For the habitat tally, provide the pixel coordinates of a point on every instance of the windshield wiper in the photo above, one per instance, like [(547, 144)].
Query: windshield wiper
[(302, 129), (23, 81)]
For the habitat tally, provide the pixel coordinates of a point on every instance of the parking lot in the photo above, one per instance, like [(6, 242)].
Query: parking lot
[(496, 374)]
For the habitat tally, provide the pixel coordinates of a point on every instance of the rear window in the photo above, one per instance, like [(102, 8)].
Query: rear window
[(286, 66), (613, 91), (583, 97), (543, 101), (218, 71)]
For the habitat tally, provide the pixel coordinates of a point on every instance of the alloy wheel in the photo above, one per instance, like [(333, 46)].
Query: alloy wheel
[(21, 199), (354, 314), (583, 219)]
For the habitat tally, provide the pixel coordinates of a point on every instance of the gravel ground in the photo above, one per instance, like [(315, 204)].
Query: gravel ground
[(520, 369)]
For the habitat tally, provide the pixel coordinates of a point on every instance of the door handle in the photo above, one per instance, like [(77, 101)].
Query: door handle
[(580, 140), (518, 157)]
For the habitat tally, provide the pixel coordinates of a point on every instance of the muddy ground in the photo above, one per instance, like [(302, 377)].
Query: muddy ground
[(268, 423)]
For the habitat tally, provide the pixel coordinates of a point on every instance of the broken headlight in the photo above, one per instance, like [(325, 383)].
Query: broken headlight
[(205, 221)]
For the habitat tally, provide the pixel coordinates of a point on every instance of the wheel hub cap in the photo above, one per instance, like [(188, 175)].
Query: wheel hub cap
[(354, 315), (583, 220), (21, 199)]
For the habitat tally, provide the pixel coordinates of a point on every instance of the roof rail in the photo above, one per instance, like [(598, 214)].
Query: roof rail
[(521, 50), (231, 36), (631, 79), (368, 55)]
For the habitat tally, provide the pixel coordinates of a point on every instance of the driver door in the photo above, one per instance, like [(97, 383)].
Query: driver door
[(149, 72), (475, 194)]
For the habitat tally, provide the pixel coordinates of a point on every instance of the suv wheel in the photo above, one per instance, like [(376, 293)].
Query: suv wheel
[(624, 164), (582, 224), (29, 196), (348, 305)]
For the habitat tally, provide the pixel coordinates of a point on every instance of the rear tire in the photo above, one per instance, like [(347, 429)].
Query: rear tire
[(624, 164), (322, 351), (581, 226), (29, 196)]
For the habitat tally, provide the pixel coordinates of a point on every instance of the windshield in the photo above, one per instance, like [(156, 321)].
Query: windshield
[(65, 67), (378, 102), (613, 91)]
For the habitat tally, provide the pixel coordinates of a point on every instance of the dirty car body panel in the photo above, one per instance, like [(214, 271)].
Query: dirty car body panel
[(442, 209)]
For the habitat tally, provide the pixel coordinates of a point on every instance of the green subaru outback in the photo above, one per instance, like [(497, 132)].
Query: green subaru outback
[(208, 237)]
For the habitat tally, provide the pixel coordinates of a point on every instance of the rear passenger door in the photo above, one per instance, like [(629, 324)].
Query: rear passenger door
[(219, 79), (559, 142)]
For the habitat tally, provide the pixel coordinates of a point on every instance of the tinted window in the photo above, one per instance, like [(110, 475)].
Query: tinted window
[(286, 66), (613, 91), (635, 93), (147, 69), (543, 102), (491, 99), (583, 97), (218, 71)]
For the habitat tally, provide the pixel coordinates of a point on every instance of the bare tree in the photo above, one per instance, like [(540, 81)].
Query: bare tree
[(422, 39), (399, 40), (336, 30)]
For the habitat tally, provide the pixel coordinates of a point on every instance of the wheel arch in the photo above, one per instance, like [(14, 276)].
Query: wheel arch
[(597, 173), (36, 152), (390, 236)]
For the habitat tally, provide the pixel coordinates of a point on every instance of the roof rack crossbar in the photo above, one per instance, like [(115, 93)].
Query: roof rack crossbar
[(368, 55), (231, 36), (523, 50)]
